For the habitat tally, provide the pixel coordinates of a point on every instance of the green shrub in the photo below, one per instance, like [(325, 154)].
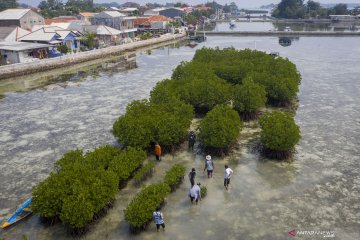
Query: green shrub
[(144, 172), (63, 49), (84, 184), (139, 211), (48, 195), (220, 128), (279, 133), (249, 98), (279, 76), (175, 176), (146, 122), (203, 191), (101, 156), (125, 164)]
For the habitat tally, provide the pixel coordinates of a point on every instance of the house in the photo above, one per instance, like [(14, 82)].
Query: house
[(55, 36), (167, 12), (106, 36), (153, 12), (109, 18), (129, 11), (24, 18), (86, 17), (116, 20), (12, 34), (158, 22), (20, 52)]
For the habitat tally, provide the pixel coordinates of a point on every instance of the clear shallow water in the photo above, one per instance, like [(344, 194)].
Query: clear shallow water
[(318, 191)]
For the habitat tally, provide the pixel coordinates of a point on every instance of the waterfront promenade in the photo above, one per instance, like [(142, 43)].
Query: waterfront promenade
[(20, 69)]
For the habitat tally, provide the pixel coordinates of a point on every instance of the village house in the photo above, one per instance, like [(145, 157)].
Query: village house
[(129, 11), (105, 36), (21, 52), (167, 12), (24, 18), (86, 17), (153, 22), (12, 33), (55, 36), (116, 20)]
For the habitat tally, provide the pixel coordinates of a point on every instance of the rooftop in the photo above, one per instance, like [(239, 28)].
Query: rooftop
[(86, 14), (13, 14), (21, 46), (42, 34)]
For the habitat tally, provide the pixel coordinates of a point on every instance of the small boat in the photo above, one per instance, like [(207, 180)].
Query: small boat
[(21, 213), (287, 29), (232, 23)]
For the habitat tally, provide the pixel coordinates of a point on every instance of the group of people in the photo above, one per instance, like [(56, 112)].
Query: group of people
[(195, 190)]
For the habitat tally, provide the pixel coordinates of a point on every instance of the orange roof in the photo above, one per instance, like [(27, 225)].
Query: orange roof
[(59, 20), (87, 14), (159, 18), (149, 20)]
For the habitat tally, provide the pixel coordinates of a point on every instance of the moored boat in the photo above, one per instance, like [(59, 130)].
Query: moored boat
[(21, 213)]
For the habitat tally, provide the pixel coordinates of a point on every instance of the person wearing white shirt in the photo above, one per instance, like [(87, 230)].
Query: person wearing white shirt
[(195, 193), (227, 174)]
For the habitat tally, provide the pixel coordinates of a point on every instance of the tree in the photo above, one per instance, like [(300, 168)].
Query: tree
[(279, 134), (289, 9), (51, 8), (146, 122), (341, 9), (63, 49), (6, 4), (249, 97), (220, 129), (89, 39), (82, 5)]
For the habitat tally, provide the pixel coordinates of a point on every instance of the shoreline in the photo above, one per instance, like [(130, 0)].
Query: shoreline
[(20, 69)]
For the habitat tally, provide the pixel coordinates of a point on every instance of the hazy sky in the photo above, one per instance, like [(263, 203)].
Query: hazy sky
[(240, 3)]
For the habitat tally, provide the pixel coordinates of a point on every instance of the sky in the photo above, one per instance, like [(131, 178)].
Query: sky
[(239, 3)]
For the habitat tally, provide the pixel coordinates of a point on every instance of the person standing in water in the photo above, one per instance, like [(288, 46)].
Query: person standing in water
[(195, 193), (192, 175), (159, 219), (157, 151), (209, 166), (192, 140), (227, 174)]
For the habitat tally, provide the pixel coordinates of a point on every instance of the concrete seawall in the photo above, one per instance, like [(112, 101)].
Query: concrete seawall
[(20, 69), (282, 33)]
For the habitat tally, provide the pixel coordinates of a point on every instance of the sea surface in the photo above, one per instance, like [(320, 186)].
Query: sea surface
[(43, 117)]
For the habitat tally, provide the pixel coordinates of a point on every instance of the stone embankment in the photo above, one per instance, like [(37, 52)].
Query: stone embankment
[(282, 33), (20, 69)]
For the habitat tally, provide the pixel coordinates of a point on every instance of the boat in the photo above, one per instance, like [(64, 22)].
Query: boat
[(287, 29), (21, 213), (232, 23)]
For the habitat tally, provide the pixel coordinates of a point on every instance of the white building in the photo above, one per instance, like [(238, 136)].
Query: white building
[(20, 52), (24, 18)]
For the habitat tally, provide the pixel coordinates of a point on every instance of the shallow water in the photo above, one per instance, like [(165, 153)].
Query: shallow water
[(318, 191), (272, 26)]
